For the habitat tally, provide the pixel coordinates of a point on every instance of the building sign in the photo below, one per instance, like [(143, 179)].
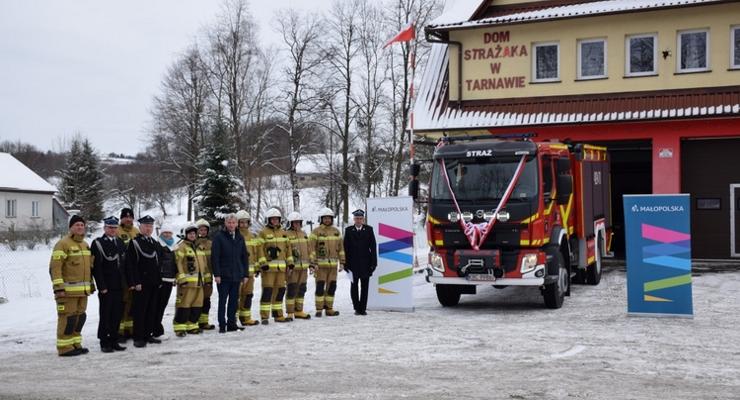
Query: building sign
[(657, 233), (497, 48), (391, 286), (665, 153)]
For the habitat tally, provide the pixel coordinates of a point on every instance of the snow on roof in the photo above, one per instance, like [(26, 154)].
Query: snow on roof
[(16, 176), (456, 11), (432, 113), (567, 11)]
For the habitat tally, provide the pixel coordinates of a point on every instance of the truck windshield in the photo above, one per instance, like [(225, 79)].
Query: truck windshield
[(474, 179)]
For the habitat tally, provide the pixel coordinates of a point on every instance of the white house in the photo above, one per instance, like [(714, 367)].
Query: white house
[(26, 199)]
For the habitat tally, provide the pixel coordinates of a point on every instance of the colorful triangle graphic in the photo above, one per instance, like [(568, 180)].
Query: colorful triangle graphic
[(386, 291), (656, 299)]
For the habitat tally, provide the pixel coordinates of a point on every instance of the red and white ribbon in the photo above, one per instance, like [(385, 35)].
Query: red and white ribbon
[(477, 233)]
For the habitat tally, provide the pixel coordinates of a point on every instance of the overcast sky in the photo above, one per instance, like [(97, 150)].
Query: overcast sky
[(92, 66)]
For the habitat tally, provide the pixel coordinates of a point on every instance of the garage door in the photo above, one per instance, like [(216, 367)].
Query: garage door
[(710, 172)]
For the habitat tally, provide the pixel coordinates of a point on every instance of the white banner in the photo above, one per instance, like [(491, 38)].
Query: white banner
[(391, 286)]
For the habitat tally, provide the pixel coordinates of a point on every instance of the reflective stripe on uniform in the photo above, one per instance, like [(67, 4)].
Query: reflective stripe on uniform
[(77, 286), (65, 342), (58, 255), (203, 319), (264, 307), (59, 281), (277, 306), (180, 327)]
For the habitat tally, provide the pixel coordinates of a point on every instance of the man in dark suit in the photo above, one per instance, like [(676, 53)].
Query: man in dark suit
[(362, 259), (108, 254), (143, 274)]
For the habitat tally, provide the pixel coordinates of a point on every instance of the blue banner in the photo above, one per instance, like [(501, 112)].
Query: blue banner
[(658, 239)]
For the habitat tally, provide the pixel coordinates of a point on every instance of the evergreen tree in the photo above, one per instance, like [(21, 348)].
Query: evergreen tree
[(219, 191), (82, 181)]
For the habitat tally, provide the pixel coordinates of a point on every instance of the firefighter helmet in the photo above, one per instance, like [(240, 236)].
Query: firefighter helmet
[(241, 214), (202, 222), (325, 212), (189, 227), (272, 213), (295, 216)]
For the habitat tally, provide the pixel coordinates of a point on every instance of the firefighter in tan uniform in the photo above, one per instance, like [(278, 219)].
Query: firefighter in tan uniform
[(126, 232), (327, 250), (203, 247), (297, 276), (71, 276), (191, 269), (256, 258), (278, 257)]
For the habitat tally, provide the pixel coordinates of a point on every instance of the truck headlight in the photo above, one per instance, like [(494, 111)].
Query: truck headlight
[(503, 216), (529, 262), (435, 260), (467, 216), (453, 217)]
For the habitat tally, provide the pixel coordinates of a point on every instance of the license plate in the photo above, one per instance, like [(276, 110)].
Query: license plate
[(481, 277)]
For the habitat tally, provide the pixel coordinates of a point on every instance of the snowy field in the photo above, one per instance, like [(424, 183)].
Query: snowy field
[(497, 344)]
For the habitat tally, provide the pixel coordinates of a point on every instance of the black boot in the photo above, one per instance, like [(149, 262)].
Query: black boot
[(139, 343), (106, 349), (118, 347), (71, 353)]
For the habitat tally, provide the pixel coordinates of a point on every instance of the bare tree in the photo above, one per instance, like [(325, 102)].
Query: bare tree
[(341, 49), (371, 94), (233, 83), (179, 119), (301, 35), (403, 12)]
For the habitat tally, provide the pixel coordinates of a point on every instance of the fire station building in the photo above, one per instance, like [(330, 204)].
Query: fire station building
[(656, 82)]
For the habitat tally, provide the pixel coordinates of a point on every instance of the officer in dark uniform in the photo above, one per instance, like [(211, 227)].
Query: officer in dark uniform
[(362, 259), (143, 275), (108, 253)]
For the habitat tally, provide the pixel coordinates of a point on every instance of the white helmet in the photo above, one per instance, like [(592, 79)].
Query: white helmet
[(272, 213), (189, 226), (241, 214), (202, 222), (325, 212), (295, 216)]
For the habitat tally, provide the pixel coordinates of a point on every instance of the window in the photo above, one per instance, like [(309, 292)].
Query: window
[(10, 208), (546, 62), (693, 51), (591, 59), (735, 50), (34, 209), (641, 55)]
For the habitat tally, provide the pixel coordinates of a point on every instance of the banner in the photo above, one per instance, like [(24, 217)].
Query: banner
[(391, 286), (658, 239)]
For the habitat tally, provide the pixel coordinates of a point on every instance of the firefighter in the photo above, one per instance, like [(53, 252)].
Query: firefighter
[(71, 276), (278, 258), (203, 246), (108, 253), (297, 276), (168, 269), (126, 232), (191, 267), (327, 250), (143, 276), (254, 248)]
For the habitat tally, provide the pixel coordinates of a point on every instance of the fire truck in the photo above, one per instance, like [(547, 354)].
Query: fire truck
[(511, 211)]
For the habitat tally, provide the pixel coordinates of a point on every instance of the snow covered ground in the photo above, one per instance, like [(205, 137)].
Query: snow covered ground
[(497, 344)]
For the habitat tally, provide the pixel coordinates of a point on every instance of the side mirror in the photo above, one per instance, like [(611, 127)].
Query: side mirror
[(564, 188), (563, 166)]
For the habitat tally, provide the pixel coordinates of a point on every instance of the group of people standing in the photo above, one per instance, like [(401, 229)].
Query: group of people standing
[(135, 274)]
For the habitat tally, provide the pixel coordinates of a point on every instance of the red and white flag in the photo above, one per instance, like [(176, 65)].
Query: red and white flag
[(407, 34)]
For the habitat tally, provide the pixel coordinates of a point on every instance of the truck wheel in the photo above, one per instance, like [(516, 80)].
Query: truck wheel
[(448, 295), (554, 292), (593, 277)]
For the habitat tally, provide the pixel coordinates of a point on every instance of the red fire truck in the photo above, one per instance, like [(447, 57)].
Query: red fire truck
[(509, 211)]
